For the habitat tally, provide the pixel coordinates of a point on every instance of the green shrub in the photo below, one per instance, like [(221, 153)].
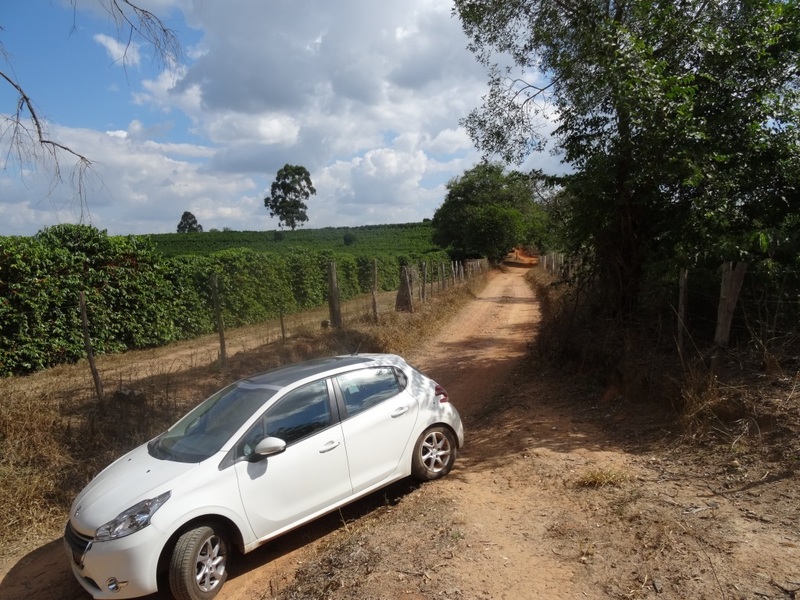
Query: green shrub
[(136, 298)]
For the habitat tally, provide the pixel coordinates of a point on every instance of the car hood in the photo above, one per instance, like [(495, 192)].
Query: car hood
[(125, 482)]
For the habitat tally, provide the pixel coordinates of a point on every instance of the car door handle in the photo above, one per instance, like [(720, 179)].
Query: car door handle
[(400, 410), (329, 446)]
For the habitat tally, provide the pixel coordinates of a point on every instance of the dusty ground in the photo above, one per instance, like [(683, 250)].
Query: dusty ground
[(557, 495)]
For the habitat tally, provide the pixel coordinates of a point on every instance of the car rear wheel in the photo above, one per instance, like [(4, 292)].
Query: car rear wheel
[(434, 454), (199, 564)]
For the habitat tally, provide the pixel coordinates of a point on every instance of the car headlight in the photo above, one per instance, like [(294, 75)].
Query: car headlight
[(131, 520)]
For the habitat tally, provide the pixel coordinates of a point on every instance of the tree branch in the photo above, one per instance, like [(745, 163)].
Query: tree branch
[(142, 23), (24, 131), (25, 104)]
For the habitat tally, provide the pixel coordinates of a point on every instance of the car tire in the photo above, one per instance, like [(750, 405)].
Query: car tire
[(199, 564), (434, 454)]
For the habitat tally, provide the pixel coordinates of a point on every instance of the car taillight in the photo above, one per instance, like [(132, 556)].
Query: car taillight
[(441, 393)]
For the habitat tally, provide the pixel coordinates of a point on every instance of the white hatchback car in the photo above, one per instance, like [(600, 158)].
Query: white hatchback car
[(258, 458)]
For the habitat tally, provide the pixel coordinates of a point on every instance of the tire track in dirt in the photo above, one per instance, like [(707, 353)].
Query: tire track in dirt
[(484, 342)]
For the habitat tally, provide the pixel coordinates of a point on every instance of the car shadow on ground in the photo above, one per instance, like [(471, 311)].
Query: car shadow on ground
[(316, 530)]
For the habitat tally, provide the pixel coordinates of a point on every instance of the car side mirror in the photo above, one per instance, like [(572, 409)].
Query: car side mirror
[(269, 446)]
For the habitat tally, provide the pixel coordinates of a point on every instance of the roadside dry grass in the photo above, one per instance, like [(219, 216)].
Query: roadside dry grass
[(55, 435)]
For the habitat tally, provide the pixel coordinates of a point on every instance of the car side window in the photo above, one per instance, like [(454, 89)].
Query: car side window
[(300, 413), (366, 388), (402, 379)]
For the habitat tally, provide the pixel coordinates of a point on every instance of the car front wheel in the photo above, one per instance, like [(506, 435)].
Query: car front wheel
[(199, 564), (434, 454)]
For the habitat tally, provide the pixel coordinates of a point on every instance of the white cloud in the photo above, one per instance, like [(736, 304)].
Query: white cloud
[(234, 128), (366, 95), (134, 187), (449, 141), (124, 54)]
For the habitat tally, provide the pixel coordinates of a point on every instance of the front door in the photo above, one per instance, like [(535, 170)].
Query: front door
[(305, 479)]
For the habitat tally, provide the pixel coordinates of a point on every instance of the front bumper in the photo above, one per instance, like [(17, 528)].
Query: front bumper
[(121, 568)]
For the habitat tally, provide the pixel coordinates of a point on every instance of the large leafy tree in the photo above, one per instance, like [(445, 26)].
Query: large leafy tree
[(484, 212), (494, 230), (678, 119), (288, 193)]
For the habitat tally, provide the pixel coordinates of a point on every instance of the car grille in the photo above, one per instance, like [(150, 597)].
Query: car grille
[(77, 542)]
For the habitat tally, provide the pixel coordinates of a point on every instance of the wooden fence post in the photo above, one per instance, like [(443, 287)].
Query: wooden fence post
[(405, 299), (424, 287), (334, 306), (283, 327), (375, 290), (87, 342), (220, 324)]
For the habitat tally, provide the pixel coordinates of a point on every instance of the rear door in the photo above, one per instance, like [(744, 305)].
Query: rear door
[(379, 417)]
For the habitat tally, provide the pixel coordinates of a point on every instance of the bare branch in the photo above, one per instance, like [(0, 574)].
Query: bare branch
[(25, 142), (133, 21), (24, 139), (19, 130), (516, 90)]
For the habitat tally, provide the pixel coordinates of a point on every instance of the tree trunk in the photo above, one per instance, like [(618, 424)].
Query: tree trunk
[(732, 278), (683, 293), (87, 341)]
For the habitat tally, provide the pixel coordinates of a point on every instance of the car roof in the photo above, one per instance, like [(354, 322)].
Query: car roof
[(283, 376)]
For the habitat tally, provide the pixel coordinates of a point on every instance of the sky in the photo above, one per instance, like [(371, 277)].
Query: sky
[(366, 95)]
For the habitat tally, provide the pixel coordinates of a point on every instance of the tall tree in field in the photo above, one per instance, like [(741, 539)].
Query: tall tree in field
[(189, 224), (288, 195), (679, 119)]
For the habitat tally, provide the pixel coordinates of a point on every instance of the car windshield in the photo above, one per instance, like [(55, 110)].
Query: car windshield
[(203, 431)]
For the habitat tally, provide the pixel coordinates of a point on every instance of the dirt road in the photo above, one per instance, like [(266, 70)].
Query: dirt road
[(556, 496), (561, 494)]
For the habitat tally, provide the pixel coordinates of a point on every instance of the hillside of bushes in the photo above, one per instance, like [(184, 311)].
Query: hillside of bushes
[(138, 295)]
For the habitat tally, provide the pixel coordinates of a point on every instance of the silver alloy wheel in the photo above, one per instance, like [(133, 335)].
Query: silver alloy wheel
[(435, 451), (211, 563), (199, 564)]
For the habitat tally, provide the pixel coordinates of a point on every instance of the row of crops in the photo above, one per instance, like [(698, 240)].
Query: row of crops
[(137, 297), (367, 240)]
